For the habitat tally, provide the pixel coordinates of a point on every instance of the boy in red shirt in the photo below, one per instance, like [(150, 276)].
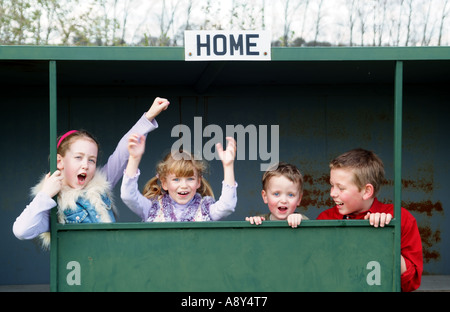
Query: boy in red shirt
[(356, 178)]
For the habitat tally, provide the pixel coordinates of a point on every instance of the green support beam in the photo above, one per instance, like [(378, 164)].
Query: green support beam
[(398, 162), (53, 135)]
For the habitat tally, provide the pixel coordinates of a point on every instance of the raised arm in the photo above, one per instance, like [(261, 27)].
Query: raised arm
[(131, 196), (136, 148), (228, 198), (118, 160), (227, 157)]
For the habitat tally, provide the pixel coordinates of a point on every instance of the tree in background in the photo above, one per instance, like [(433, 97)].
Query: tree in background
[(163, 22)]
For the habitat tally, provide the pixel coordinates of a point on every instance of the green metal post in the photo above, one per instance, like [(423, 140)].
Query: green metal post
[(398, 168), (53, 131)]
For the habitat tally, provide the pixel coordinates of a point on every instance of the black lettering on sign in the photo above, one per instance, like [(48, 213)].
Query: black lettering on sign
[(220, 44)]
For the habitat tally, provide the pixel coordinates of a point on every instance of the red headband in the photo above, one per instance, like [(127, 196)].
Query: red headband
[(65, 135)]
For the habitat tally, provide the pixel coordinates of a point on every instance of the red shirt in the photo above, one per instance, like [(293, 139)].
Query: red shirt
[(411, 244)]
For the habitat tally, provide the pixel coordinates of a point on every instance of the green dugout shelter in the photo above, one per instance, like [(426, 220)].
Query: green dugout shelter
[(324, 101)]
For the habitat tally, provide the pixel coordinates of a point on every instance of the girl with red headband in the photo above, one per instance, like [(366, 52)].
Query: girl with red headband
[(83, 191)]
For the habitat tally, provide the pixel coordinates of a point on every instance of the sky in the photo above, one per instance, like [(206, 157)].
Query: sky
[(145, 16), (334, 18)]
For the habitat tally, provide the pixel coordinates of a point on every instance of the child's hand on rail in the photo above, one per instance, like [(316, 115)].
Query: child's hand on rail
[(255, 220), (294, 220), (378, 219)]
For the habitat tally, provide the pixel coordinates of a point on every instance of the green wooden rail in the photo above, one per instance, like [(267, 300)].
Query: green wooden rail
[(225, 256), (59, 53)]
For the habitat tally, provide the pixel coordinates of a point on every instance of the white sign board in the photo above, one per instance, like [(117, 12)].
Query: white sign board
[(218, 45)]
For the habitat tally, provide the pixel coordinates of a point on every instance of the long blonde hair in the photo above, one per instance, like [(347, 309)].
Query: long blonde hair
[(181, 164)]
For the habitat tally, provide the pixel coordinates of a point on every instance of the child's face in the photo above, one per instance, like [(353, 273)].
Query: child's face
[(79, 164), (347, 196), (282, 196), (181, 189)]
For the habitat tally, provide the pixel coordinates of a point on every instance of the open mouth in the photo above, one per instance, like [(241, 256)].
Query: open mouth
[(282, 209), (81, 178), (183, 193), (339, 203)]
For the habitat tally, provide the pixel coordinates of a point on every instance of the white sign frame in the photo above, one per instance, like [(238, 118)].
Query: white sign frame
[(222, 45)]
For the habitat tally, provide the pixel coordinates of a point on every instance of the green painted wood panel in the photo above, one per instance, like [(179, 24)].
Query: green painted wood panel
[(177, 53), (226, 256)]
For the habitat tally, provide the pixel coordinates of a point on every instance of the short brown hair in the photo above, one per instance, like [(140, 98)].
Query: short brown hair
[(366, 166), (289, 171)]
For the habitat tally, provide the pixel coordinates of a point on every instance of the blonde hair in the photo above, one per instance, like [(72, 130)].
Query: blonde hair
[(181, 164), (69, 139), (366, 166), (286, 170)]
